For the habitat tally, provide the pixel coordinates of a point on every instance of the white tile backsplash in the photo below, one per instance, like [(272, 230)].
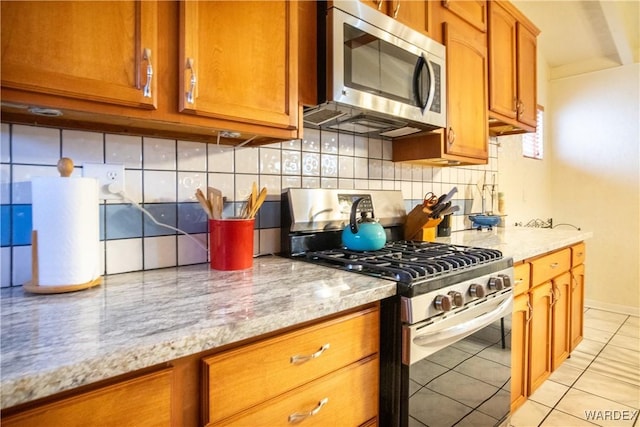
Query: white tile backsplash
[(124, 149), (159, 153), (159, 186), (192, 156), (5, 152), (35, 145), (83, 147), (169, 171)]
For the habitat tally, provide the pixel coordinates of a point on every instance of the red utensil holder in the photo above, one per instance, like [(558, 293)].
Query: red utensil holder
[(231, 243)]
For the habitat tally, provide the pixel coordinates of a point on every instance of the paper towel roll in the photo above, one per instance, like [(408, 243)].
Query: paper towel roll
[(67, 221)]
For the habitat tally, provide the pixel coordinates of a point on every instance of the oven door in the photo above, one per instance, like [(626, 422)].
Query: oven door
[(425, 338), (465, 377), (376, 70)]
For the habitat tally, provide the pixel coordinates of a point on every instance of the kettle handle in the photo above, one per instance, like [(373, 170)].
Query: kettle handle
[(353, 224)]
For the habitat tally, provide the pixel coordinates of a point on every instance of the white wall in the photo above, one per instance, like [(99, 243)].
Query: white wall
[(594, 153)]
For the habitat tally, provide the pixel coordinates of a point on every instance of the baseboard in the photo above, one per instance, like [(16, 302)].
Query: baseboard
[(616, 308)]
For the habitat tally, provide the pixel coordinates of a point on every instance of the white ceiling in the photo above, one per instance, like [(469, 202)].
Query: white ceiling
[(578, 36)]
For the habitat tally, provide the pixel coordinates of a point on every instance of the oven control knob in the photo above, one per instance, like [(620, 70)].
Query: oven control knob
[(456, 298), (496, 283), (506, 280), (442, 302), (476, 291)]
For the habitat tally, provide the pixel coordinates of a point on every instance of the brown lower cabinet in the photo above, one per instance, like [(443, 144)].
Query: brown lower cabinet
[(324, 372), (547, 319)]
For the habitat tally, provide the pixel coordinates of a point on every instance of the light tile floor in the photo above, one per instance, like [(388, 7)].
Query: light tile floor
[(598, 385)]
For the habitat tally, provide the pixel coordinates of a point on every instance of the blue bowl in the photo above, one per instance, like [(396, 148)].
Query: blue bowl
[(485, 220)]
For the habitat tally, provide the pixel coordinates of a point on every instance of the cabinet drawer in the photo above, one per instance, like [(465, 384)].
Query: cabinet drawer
[(265, 369), (578, 253), (549, 266), (521, 278), (142, 401), (350, 398)]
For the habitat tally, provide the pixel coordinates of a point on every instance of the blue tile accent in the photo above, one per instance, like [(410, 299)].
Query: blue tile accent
[(22, 225), (164, 213), (269, 215), (5, 225), (122, 222), (192, 218)]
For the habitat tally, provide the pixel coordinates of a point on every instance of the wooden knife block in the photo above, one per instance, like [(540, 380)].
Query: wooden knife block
[(419, 226)]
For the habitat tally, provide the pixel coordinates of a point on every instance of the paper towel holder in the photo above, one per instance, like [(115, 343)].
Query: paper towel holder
[(65, 168)]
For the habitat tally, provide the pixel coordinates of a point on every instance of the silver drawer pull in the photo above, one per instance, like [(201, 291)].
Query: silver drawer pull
[(554, 265), (192, 82), (296, 417), (146, 90), (518, 281), (297, 359)]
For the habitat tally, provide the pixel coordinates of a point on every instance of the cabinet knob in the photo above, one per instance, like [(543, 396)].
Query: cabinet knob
[(146, 90), (451, 136)]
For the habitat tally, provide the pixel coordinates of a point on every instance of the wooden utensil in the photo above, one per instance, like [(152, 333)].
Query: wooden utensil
[(216, 202), (204, 203), (259, 201)]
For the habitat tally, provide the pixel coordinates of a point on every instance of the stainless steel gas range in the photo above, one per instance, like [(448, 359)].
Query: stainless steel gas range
[(445, 338)]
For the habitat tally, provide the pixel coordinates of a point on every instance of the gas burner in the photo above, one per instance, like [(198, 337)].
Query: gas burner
[(407, 261)]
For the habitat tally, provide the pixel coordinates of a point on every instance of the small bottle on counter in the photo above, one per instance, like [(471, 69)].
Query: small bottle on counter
[(501, 203)]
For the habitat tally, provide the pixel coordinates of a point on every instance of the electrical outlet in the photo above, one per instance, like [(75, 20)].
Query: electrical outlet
[(107, 174)]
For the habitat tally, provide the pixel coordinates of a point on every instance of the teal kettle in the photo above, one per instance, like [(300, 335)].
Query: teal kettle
[(364, 234)]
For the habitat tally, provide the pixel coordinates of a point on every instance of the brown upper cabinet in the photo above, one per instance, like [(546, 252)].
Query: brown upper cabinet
[(465, 140), (414, 14), (77, 50), (229, 71), (185, 70), (512, 70)]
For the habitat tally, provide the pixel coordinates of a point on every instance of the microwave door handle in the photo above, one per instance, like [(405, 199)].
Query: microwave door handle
[(417, 72), (421, 64)]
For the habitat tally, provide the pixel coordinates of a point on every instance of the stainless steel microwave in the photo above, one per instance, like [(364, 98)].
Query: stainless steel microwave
[(376, 75)]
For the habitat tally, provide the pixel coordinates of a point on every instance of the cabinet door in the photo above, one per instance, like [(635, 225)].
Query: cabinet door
[(576, 324), (467, 132), (472, 11), (142, 401), (238, 61), (526, 69), (560, 319), (503, 97), (539, 336), (414, 14), (519, 349), (83, 50)]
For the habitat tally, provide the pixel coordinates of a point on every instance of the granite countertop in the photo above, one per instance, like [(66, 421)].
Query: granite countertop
[(520, 243), (52, 343)]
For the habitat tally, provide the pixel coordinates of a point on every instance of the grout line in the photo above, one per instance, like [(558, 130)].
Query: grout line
[(553, 408)]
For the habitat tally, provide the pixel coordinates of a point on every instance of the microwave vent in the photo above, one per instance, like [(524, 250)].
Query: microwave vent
[(322, 116)]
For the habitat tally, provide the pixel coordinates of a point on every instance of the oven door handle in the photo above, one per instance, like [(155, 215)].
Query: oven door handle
[(454, 333)]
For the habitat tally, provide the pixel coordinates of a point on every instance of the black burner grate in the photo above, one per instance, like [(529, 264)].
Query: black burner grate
[(408, 261)]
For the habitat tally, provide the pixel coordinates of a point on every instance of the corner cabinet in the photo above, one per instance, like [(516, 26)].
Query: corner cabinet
[(178, 69), (512, 70), (77, 50), (239, 61)]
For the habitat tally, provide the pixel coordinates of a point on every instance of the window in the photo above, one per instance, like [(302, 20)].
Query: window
[(533, 143)]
